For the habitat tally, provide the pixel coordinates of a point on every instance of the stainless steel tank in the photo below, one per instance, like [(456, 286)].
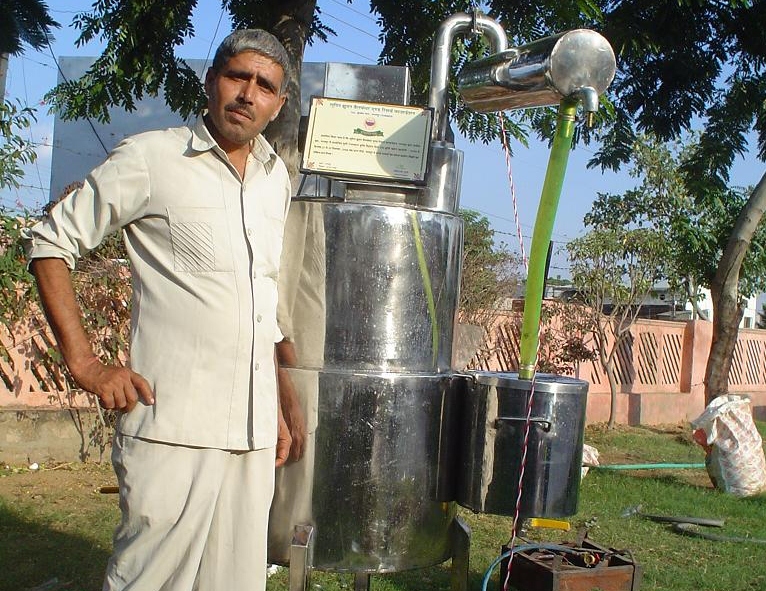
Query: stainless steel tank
[(373, 313), (368, 290)]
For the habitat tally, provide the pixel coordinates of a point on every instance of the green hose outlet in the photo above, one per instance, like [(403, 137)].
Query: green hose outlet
[(546, 215)]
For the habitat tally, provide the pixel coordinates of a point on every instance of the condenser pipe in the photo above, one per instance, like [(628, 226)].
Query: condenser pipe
[(440, 60)]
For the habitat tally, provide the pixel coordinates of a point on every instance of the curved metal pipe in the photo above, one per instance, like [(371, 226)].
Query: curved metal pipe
[(440, 59)]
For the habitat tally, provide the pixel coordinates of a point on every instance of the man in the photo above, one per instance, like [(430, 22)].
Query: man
[(202, 210)]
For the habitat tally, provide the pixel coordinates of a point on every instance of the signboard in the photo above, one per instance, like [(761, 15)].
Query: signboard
[(367, 140)]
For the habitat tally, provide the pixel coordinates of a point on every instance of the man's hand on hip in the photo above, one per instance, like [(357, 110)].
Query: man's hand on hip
[(117, 388)]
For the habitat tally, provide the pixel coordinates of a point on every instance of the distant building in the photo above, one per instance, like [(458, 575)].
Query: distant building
[(663, 303)]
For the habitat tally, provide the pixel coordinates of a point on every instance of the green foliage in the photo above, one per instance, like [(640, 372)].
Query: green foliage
[(695, 218), (269, 15), (102, 285), (682, 63), (14, 151), (139, 59), (490, 273), (617, 266), (16, 286), (24, 21), (614, 270), (678, 64), (566, 338)]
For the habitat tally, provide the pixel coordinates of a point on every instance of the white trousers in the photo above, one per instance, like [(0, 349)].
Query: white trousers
[(193, 519)]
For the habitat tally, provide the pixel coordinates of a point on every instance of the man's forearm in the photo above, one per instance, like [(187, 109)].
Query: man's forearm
[(116, 387), (57, 295)]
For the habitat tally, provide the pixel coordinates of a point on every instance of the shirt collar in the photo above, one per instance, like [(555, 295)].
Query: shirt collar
[(202, 141)]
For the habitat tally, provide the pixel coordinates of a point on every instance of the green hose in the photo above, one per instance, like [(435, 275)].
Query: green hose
[(428, 290), (546, 215), (663, 466)]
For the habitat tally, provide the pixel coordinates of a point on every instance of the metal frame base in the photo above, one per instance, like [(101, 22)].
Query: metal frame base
[(301, 557), (302, 546)]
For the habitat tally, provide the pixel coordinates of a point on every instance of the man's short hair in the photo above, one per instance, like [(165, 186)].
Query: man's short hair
[(256, 40)]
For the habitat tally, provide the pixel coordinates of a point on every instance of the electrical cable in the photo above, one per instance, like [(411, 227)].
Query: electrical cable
[(368, 58), (340, 20), (507, 150), (530, 399), (346, 6), (522, 548), (215, 34), (522, 470), (31, 138), (87, 118)]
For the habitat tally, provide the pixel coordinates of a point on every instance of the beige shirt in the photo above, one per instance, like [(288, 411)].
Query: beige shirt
[(204, 249)]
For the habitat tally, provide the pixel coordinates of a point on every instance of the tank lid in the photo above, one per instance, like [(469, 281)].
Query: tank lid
[(543, 381)]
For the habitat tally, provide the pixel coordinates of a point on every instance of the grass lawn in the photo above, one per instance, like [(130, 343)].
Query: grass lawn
[(55, 527)]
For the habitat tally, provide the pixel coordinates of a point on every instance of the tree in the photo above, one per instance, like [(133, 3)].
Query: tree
[(102, 285), (14, 151), (680, 63), (491, 274), (141, 38), (614, 270), (24, 22), (21, 22), (699, 222), (761, 323), (671, 57), (697, 59)]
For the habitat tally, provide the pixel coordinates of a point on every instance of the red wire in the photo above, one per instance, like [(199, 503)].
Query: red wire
[(527, 424)]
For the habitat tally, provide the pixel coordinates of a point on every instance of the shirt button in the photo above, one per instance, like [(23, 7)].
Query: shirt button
[(258, 318), (257, 366), (249, 231)]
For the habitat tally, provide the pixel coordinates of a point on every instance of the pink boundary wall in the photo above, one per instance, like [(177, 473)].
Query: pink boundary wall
[(661, 372), (639, 403)]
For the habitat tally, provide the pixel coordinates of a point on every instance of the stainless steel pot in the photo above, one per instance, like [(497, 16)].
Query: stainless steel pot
[(492, 443)]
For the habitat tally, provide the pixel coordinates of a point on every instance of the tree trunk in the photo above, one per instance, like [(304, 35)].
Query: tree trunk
[(727, 305), (606, 358), (692, 293), (609, 369), (3, 73), (291, 27)]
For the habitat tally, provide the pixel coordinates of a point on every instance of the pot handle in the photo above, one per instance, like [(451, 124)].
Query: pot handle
[(544, 423)]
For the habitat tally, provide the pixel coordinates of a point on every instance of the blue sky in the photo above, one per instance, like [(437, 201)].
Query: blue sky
[(485, 187)]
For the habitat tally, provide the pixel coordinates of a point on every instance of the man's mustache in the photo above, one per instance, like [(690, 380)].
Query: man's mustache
[(242, 110)]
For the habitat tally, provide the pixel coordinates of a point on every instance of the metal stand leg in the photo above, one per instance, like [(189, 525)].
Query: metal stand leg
[(461, 550), (361, 582), (300, 557)]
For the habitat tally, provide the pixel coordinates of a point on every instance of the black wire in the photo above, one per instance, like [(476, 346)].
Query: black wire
[(90, 122)]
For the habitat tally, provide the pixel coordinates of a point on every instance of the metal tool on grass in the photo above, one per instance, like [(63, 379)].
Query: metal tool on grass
[(689, 529), (636, 510)]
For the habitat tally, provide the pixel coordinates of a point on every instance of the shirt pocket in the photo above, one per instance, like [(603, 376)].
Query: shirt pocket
[(200, 239)]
